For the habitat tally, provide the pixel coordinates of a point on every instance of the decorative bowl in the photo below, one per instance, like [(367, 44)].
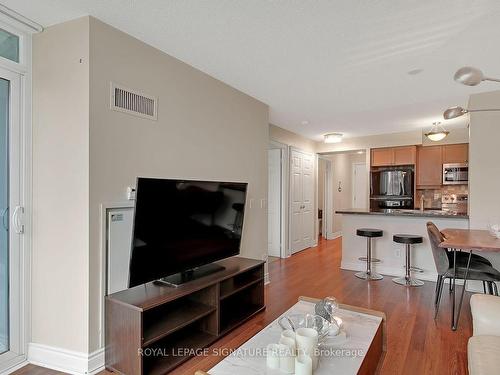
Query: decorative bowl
[(320, 324)]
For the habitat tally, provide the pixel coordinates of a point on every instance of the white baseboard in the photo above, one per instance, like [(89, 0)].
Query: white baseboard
[(333, 235), (472, 286), (11, 369), (68, 361)]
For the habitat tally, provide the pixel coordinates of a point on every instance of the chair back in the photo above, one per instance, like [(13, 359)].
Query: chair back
[(439, 253)]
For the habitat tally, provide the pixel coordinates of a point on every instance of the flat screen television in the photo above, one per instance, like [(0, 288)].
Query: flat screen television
[(182, 226)]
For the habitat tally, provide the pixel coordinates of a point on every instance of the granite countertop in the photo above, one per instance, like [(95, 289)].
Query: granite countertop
[(401, 212)]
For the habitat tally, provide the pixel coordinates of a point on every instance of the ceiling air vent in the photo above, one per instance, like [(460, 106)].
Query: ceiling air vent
[(133, 102)]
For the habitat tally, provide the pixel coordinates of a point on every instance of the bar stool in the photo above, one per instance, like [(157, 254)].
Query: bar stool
[(369, 233), (408, 240)]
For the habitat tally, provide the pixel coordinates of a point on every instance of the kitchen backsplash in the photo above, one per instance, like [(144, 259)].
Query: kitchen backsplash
[(432, 197)]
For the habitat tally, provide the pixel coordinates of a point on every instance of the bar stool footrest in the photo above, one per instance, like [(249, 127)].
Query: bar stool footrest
[(373, 260), (416, 269), (368, 276), (408, 281)]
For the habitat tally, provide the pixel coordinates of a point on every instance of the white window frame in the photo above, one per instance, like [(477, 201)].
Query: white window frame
[(23, 28)]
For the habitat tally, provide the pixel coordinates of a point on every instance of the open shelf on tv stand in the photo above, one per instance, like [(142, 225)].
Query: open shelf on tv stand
[(155, 318)]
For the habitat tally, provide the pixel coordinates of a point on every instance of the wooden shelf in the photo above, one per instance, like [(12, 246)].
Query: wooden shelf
[(189, 317), (230, 288), (171, 319), (238, 307), (240, 317), (187, 339)]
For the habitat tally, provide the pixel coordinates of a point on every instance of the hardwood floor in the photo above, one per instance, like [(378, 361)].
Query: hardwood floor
[(417, 344)]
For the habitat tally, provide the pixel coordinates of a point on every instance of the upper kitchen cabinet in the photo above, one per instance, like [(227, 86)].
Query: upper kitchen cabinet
[(405, 155), (456, 153), (429, 166), (381, 157)]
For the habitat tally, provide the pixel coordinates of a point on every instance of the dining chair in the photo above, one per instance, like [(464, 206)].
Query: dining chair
[(454, 267)]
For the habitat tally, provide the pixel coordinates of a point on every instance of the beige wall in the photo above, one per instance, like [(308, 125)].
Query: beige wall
[(484, 160), (61, 186), (85, 155), (291, 139), (205, 130), (342, 173)]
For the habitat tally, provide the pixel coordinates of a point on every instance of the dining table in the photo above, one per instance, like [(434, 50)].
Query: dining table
[(470, 240)]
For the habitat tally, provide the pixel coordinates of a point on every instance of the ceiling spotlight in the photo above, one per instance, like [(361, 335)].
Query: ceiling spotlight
[(437, 132), (304, 122), (454, 112), (333, 138), (470, 76)]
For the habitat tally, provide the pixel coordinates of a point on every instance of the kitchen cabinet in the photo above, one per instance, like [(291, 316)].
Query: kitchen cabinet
[(405, 155), (429, 166), (381, 157), (456, 153)]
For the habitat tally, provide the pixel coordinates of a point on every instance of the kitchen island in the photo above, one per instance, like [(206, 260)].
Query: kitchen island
[(392, 254)]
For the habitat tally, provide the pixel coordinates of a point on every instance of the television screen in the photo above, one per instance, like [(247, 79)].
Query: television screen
[(183, 224)]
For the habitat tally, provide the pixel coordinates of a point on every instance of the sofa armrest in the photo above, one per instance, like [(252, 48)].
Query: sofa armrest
[(485, 314)]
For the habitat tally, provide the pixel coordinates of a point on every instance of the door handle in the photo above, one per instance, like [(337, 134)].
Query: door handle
[(5, 218), (17, 221)]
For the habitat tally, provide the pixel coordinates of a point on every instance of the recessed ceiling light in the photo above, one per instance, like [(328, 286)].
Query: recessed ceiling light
[(360, 152), (414, 72), (305, 122), (333, 138)]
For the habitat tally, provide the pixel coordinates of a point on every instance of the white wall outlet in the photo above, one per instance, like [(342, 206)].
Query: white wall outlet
[(263, 203), (397, 253), (130, 193), (250, 202)]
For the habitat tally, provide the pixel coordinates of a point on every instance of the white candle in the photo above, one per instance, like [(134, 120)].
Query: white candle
[(307, 343), (290, 343), (303, 365), (287, 356), (273, 356), (288, 333)]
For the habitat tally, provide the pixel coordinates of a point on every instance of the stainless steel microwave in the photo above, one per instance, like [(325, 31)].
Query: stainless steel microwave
[(455, 174)]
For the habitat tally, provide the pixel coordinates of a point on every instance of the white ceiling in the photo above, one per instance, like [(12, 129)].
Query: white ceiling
[(342, 65)]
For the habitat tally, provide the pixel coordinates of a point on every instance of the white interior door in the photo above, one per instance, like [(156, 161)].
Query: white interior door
[(359, 185), (274, 203), (301, 200), (308, 216)]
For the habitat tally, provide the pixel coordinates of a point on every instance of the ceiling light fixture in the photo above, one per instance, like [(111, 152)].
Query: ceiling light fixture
[(454, 112), (470, 76), (437, 132), (333, 138)]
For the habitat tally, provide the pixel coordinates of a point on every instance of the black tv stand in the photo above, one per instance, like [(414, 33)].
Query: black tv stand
[(180, 278)]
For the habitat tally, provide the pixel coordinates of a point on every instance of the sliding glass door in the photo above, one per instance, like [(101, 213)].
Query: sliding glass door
[(11, 228), (4, 212)]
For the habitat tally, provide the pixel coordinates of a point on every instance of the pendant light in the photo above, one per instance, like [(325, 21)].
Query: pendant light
[(437, 132)]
